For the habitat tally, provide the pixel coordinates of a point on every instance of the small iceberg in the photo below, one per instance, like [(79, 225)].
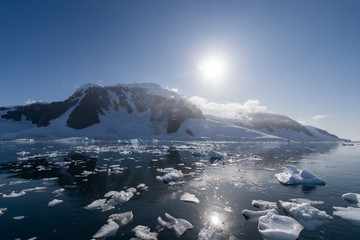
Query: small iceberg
[(264, 204), (273, 226), (350, 213), (18, 217), (188, 197), (54, 202), (294, 176), (2, 210), (353, 198), (212, 230), (108, 230), (14, 194), (178, 224), (308, 216), (248, 214), (97, 204), (171, 175), (122, 218), (143, 232), (120, 197), (212, 155)]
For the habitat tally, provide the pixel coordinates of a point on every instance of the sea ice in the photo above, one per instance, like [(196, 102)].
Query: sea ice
[(120, 197), (122, 218), (54, 202), (213, 155), (2, 210), (198, 164), (97, 204), (171, 175), (307, 215), (188, 197), (110, 194), (142, 186), (131, 189), (255, 214), (273, 226), (264, 204), (178, 224), (304, 200), (350, 213), (58, 192), (143, 232), (211, 231), (353, 198), (18, 217), (14, 194), (107, 230), (294, 176)]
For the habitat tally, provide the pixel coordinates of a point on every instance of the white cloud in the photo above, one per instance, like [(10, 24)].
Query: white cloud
[(31, 101), (175, 90), (230, 109), (318, 117)]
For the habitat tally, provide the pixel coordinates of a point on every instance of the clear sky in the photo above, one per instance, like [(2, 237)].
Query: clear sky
[(297, 58)]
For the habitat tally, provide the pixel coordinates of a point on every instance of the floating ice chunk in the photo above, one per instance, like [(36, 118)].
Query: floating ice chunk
[(255, 214), (171, 175), (58, 192), (18, 217), (54, 202), (122, 218), (19, 182), (143, 232), (188, 197), (2, 210), (350, 213), (294, 176), (178, 224), (142, 186), (212, 230), (213, 155), (307, 215), (97, 204), (353, 198), (35, 189), (3, 184), (137, 142), (123, 141), (120, 197), (131, 189), (110, 194), (273, 226), (33, 238), (304, 200), (198, 164), (14, 194), (108, 230), (264, 204)]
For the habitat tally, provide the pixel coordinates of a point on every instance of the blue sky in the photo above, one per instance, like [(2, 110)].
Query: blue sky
[(297, 58)]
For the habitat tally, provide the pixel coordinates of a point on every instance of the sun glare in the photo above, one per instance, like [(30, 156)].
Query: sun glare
[(213, 68)]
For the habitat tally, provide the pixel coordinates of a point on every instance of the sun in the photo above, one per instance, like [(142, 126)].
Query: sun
[(213, 68)]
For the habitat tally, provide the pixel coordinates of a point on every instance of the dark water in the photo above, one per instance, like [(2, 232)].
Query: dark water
[(224, 188)]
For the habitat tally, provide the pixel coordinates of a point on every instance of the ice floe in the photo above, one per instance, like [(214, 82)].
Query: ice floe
[(97, 204), (58, 192), (273, 226), (18, 217), (308, 216), (2, 210), (144, 232), (178, 224), (188, 197), (294, 176), (212, 230), (264, 204), (120, 197), (353, 198), (14, 194), (304, 200), (350, 213), (171, 175), (255, 214), (54, 202), (122, 218), (107, 230)]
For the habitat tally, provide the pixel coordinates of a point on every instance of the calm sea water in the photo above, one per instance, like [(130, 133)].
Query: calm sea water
[(87, 171)]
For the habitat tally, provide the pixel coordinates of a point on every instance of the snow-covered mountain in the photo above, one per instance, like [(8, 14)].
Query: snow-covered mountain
[(142, 111)]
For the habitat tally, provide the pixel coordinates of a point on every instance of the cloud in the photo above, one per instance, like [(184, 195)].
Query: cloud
[(175, 90), (230, 109), (318, 117), (30, 101)]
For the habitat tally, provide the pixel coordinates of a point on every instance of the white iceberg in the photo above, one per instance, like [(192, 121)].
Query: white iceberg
[(264, 204), (308, 216), (350, 213), (294, 176), (178, 224), (18, 217), (188, 197), (97, 204), (14, 194), (54, 202), (131, 189), (2, 210), (120, 197), (58, 192), (305, 200), (255, 214), (171, 175), (143, 232), (122, 218), (108, 230), (273, 226), (110, 194), (353, 198)]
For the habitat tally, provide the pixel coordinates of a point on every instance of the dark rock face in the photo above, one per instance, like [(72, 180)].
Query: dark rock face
[(270, 122), (94, 101)]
